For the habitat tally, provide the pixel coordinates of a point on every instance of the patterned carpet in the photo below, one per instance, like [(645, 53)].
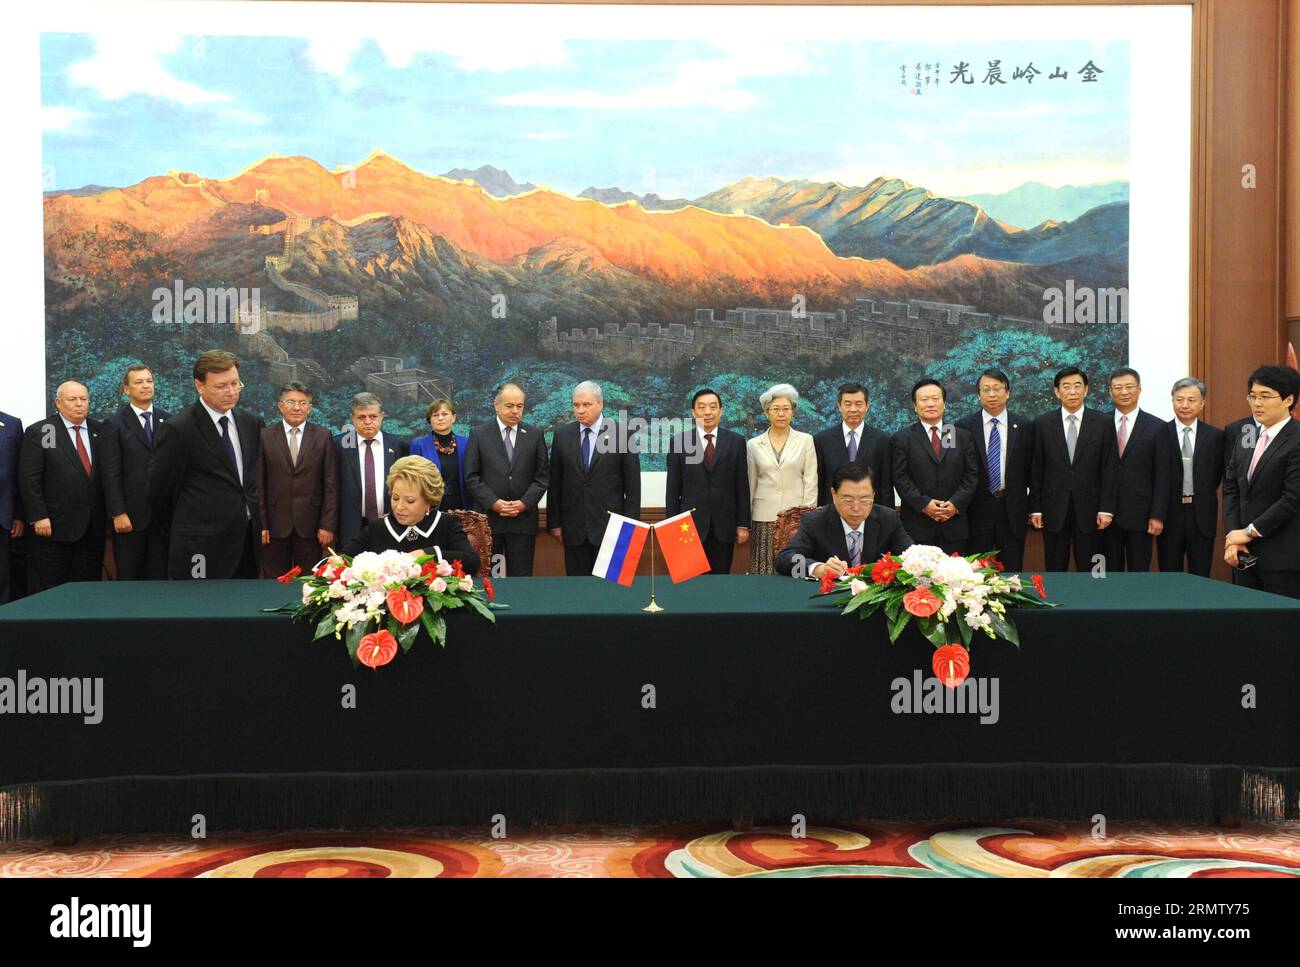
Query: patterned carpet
[(1019, 848)]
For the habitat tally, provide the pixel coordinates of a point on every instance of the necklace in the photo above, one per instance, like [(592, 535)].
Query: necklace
[(445, 450)]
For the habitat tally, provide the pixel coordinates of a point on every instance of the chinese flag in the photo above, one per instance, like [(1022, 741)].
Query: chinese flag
[(680, 543)]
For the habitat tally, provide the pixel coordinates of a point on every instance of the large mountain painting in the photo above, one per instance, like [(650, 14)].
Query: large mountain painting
[(378, 272)]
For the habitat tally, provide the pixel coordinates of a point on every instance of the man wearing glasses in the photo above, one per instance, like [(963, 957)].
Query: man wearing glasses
[(851, 530), (1261, 490), (299, 502)]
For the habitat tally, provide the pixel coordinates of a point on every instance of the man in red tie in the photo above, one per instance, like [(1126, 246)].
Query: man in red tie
[(63, 497), (1142, 477), (1261, 489), (935, 472)]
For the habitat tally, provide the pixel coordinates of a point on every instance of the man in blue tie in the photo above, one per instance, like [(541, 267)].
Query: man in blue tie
[(203, 484), (595, 470), (139, 545), (999, 514)]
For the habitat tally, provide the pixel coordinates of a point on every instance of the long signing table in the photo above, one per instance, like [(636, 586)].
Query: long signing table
[(1153, 695)]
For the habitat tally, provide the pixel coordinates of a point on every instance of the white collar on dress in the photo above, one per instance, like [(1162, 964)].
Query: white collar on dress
[(388, 522)]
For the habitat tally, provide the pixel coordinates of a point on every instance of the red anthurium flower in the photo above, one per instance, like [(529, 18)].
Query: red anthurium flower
[(922, 602), (1038, 583), (288, 576), (403, 605), (951, 664), (377, 648), (487, 586)]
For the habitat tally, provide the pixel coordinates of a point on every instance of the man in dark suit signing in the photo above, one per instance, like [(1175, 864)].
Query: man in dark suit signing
[(1072, 480), (1261, 494), (298, 484), (595, 470), (935, 472), (1195, 451), (849, 531), (11, 502), (139, 544), (852, 441), (506, 472), (363, 456), (708, 474), (1141, 477), (62, 492), (203, 479), (1004, 442)]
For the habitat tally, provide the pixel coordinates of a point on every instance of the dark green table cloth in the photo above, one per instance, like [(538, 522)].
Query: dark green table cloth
[(1127, 700)]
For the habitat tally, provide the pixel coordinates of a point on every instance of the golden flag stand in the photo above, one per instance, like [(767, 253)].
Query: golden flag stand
[(652, 607)]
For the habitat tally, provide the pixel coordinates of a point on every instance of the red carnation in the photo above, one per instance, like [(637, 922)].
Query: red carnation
[(828, 581), (377, 648), (883, 571), (1038, 583), (922, 602), (288, 576), (487, 586), (951, 664)]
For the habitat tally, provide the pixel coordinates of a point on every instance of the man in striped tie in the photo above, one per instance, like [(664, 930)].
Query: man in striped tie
[(999, 514)]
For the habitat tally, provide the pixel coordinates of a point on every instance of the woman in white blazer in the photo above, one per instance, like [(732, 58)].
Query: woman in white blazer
[(782, 473)]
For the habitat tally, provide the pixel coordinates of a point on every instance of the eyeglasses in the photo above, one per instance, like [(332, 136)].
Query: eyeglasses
[(296, 404), (856, 501), (1261, 397)]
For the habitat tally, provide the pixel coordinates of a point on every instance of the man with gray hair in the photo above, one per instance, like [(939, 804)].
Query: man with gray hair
[(299, 486), (62, 492), (592, 475), (1195, 453), (506, 472), (364, 455)]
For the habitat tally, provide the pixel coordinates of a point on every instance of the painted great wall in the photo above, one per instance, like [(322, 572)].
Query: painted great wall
[(915, 327)]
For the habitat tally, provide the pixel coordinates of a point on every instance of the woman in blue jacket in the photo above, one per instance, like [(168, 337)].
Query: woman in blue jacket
[(447, 451)]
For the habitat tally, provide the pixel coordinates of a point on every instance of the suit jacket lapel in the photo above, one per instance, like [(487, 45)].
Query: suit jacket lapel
[(1279, 443), (599, 433), (835, 538), (126, 416), (67, 444), (211, 436), (921, 432)]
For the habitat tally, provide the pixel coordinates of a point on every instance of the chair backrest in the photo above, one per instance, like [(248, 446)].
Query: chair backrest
[(787, 523), (479, 532)]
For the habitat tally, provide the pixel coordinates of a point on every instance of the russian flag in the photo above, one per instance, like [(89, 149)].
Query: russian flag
[(621, 549)]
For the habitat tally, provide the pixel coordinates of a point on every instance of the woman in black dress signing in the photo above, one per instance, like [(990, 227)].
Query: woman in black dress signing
[(415, 489)]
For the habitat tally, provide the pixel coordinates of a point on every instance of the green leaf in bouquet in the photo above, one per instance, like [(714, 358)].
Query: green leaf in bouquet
[(1004, 629), (436, 625), (892, 607), (481, 606), (965, 630), (353, 639), (325, 626), (896, 623), (407, 634), (934, 630)]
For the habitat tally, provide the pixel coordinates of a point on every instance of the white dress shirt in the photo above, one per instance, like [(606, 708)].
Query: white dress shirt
[(139, 416)]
